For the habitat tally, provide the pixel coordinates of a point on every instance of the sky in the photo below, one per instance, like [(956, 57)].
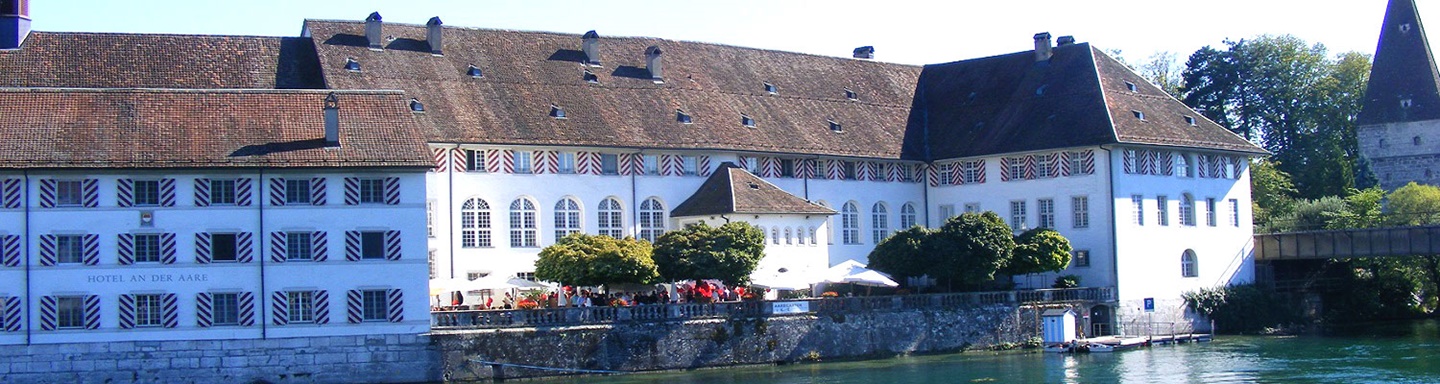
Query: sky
[(902, 31)]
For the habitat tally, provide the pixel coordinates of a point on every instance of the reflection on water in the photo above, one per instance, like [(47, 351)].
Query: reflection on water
[(1378, 353)]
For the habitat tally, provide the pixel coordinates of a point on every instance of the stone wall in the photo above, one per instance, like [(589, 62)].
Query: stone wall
[(1399, 153), (725, 342), (334, 359)]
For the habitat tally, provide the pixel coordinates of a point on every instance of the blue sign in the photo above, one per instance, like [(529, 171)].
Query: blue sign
[(1149, 304)]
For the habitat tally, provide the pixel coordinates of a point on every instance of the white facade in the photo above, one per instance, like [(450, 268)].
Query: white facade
[(140, 255)]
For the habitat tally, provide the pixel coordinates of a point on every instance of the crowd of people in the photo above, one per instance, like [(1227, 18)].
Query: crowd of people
[(569, 296)]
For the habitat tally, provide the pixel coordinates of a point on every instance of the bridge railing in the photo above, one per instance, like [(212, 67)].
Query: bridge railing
[(1346, 243), (571, 316)]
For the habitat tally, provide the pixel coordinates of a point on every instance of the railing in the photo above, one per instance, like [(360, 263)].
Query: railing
[(570, 316)]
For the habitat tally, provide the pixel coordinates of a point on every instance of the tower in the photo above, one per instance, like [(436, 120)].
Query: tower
[(14, 23), (1399, 124)]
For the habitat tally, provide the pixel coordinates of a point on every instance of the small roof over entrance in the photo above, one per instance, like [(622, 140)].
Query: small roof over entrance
[(731, 190)]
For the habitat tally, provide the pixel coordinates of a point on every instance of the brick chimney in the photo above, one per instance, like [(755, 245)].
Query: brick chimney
[(866, 52), (1042, 46), (432, 34), (590, 43), (14, 23), (1064, 41), (332, 120), (652, 63), (372, 31)]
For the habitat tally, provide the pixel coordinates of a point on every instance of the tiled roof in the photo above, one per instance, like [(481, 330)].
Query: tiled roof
[(526, 72), (733, 190), (114, 60), (1404, 69), (130, 128), (1079, 97)]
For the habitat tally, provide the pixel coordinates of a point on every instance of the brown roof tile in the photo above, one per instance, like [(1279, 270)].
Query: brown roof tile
[(116, 60), (130, 128), (733, 190)]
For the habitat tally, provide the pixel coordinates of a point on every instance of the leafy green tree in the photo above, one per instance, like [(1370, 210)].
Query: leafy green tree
[(592, 260), (1415, 204), (907, 253), (1039, 250), (1362, 210), (728, 253), (1162, 71), (1309, 215), (1271, 192), (975, 246)]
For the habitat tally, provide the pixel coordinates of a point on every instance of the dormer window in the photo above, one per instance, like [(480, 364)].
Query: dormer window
[(834, 126), (556, 112), (352, 65), (850, 95), (416, 106), (474, 71), (770, 88), (1139, 115), (1405, 28), (1406, 103), (682, 117), (1040, 91), (1130, 86), (747, 121), (1190, 120), (591, 78)]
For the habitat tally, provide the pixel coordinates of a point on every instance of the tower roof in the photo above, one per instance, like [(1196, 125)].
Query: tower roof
[(1404, 84)]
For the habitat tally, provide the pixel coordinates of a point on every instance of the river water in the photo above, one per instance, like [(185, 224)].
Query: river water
[(1378, 353)]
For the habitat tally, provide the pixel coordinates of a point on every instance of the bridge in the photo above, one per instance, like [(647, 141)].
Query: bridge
[(1348, 243)]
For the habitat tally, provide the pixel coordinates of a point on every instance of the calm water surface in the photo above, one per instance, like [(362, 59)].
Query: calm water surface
[(1382, 353)]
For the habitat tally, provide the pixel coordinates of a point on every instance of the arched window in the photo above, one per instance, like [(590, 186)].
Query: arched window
[(1183, 167), (610, 218), (850, 223), (788, 236), (812, 236), (567, 217), (907, 216), (1189, 264), (475, 224), (522, 223), (774, 235), (879, 222), (1187, 210), (652, 219)]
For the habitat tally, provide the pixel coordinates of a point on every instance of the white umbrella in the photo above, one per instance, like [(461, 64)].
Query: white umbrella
[(851, 271), (448, 285), (785, 280)]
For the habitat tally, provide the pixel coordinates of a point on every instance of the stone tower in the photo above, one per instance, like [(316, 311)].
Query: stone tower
[(1399, 125)]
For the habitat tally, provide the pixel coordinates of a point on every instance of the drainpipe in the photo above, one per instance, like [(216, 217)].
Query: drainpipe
[(925, 187), (450, 208), (634, 204), (1114, 230), (260, 238), (28, 293)]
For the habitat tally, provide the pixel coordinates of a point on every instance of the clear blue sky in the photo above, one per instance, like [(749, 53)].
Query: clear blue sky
[(904, 31)]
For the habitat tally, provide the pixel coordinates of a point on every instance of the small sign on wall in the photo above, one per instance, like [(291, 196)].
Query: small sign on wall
[(1150, 304), (789, 307), (147, 218)]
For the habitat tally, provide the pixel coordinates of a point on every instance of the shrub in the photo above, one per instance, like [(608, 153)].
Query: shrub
[(1067, 281)]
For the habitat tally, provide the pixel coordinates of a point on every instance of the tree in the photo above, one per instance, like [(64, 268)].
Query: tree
[(907, 253), (1162, 71), (1308, 215), (1415, 204), (973, 247), (729, 252), (592, 260), (1039, 250), (1362, 210), (1271, 192)]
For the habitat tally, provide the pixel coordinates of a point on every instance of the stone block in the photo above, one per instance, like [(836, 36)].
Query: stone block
[(209, 362), (155, 363), (234, 362), (297, 342), (358, 357)]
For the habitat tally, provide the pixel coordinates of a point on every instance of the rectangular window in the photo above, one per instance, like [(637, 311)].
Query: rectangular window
[(373, 305), (70, 249), (226, 308), (609, 164), (1046, 208), (297, 191), (1162, 210), (475, 160), (1080, 207), (970, 171), (1015, 168), (1131, 159), (222, 192), (1017, 215), (972, 207), (70, 312), (302, 306), (1138, 202), (372, 245), (523, 165), (787, 167), (1234, 213), (651, 164), (1081, 258), (372, 191), (947, 173), (430, 218), (297, 246), (222, 247), (69, 193), (849, 168), (687, 165), (148, 310), (147, 247), (1044, 167), (1210, 211), (947, 211), (566, 163), (147, 193), (1077, 163)]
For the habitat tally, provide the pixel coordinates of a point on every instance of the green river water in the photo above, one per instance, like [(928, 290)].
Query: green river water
[(1377, 353)]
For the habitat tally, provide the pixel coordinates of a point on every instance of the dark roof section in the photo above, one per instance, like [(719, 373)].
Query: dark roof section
[(1011, 103), (733, 190), (139, 128), (526, 72), (1404, 69), (116, 60)]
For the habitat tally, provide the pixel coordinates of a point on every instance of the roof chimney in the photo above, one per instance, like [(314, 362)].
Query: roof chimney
[(372, 30), (590, 43), (14, 23), (332, 120), (1064, 41), (866, 52), (432, 34), (652, 62), (1042, 46)]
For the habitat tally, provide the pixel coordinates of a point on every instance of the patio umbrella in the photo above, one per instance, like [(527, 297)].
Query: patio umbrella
[(854, 272)]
